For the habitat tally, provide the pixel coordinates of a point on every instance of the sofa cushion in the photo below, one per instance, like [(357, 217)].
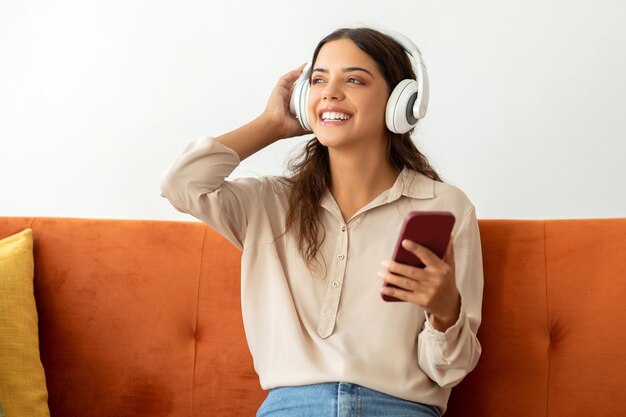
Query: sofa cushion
[(22, 381)]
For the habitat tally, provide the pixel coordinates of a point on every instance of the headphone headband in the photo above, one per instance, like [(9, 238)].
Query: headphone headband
[(406, 43)]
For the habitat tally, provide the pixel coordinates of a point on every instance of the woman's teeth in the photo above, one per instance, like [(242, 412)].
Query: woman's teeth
[(334, 116)]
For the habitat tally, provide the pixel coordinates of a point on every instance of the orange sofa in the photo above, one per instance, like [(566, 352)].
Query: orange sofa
[(142, 318)]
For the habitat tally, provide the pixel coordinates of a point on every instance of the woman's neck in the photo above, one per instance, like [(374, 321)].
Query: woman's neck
[(358, 178)]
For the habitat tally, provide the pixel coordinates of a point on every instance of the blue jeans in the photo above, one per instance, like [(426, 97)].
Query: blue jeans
[(339, 399)]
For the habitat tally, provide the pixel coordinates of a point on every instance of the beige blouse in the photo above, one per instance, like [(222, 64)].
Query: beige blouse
[(328, 325)]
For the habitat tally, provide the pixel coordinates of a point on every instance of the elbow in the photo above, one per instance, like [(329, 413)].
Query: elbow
[(172, 186), (166, 185), (170, 190)]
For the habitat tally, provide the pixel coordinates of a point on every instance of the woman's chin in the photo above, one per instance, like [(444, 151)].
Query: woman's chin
[(331, 140)]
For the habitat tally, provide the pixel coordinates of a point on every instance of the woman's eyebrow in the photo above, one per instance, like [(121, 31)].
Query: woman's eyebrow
[(347, 69)]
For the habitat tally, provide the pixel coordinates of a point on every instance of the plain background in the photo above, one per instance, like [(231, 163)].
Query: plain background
[(97, 98)]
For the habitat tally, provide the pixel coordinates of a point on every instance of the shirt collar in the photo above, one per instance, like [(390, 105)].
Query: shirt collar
[(412, 184), (409, 183)]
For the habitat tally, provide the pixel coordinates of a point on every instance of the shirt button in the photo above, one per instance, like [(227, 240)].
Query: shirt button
[(340, 257), (343, 228), (335, 284)]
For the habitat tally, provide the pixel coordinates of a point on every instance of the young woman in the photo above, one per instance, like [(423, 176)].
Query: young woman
[(323, 340)]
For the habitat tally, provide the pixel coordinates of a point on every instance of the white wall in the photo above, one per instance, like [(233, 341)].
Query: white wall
[(97, 98)]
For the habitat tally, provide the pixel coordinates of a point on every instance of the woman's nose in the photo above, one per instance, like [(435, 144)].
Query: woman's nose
[(332, 90)]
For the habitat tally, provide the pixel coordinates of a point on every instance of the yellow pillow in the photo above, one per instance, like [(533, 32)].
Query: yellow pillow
[(23, 389)]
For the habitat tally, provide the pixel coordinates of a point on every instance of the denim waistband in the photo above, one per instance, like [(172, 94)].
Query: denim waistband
[(339, 399)]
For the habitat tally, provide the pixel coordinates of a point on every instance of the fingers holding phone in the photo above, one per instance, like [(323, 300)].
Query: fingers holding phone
[(422, 270), (432, 287)]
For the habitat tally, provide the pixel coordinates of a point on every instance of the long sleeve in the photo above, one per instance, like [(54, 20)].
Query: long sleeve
[(195, 184), (446, 357)]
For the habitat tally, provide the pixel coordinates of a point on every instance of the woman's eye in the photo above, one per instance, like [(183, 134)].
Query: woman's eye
[(350, 80)]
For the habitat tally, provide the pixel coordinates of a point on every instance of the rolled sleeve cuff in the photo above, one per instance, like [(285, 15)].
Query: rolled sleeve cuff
[(451, 334)]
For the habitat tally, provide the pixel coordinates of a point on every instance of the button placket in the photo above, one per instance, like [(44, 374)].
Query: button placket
[(330, 304)]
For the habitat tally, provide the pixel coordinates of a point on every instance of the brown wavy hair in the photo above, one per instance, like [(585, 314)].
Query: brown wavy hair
[(310, 170)]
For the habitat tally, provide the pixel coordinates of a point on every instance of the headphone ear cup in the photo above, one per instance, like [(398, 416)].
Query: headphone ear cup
[(304, 101), (300, 99), (399, 112)]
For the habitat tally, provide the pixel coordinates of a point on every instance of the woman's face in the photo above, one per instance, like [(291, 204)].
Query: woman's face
[(348, 96)]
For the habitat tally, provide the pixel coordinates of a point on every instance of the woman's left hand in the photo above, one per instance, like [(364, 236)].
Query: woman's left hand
[(432, 288)]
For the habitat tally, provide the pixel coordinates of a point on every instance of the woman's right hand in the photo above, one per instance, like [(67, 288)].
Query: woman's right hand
[(275, 123), (277, 109)]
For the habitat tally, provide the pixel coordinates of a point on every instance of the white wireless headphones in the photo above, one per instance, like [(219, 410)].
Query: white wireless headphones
[(406, 105)]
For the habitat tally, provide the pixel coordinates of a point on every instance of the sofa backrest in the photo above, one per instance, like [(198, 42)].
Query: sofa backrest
[(143, 318), (139, 318), (552, 332)]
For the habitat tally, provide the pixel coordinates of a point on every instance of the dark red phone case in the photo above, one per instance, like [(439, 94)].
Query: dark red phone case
[(431, 229)]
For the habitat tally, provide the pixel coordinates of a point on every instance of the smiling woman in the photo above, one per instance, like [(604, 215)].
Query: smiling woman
[(324, 341), (361, 91)]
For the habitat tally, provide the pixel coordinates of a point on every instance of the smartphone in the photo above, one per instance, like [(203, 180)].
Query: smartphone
[(431, 229)]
